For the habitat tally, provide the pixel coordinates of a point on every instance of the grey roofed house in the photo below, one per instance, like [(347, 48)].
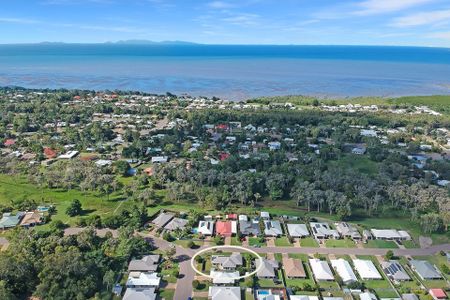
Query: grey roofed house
[(162, 219), (139, 294), (9, 221), (272, 228), (148, 263), (409, 297), (227, 262), (425, 270), (268, 269), (297, 230), (224, 293), (348, 230), (176, 223), (323, 231), (394, 270), (249, 227)]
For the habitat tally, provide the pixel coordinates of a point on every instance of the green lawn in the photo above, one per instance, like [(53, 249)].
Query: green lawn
[(282, 242), (344, 243), (309, 242), (410, 244), (235, 241), (380, 244), (184, 243), (17, 188), (254, 241), (167, 294)]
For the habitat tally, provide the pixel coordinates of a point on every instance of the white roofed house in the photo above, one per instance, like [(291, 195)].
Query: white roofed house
[(223, 278), (390, 234), (224, 293), (140, 294), (297, 230), (367, 296), (206, 227), (159, 159), (345, 271), (323, 231), (321, 269), (366, 269), (272, 228), (143, 280)]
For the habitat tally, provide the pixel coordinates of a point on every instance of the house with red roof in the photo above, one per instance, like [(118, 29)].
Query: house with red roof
[(438, 294), (223, 156), (222, 126), (49, 153), (226, 228), (9, 142), (232, 216)]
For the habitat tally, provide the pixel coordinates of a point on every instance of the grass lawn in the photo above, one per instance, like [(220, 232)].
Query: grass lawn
[(184, 243), (380, 244), (167, 294), (235, 241), (17, 188), (282, 242), (309, 242), (360, 163), (248, 296), (344, 243), (410, 244), (254, 241)]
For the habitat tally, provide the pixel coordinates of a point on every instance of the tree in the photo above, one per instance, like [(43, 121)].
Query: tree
[(74, 208), (5, 292), (195, 284), (190, 244), (121, 167), (431, 222), (109, 279), (389, 255)]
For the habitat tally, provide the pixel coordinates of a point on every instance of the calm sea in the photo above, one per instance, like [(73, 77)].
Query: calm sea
[(231, 72)]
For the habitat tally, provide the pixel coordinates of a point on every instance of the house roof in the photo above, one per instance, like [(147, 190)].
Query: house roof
[(323, 229), (49, 153), (249, 227), (206, 227), (224, 293), (223, 227), (344, 270), (138, 279), (176, 223), (410, 297), (268, 268), (367, 296), (32, 217), (303, 297), (346, 229), (139, 294), (389, 234), (8, 221), (394, 270), (232, 261), (438, 293), (224, 277), (272, 228), (366, 269), (162, 219), (297, 230), (425, 269), (146, 264), (293, 267), (321, 269)]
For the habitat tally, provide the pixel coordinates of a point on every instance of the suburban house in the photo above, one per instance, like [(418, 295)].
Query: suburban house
[(367, 296), (226, 228), (297, 230), (249, 227), (143, 280), (345, 271), (394, 270), (269, 268), (323, 231), (206, 227), (159, 159), (32, 218), (224, 293), (140, 294), (267, 294), (162, 219), (366, 269), (272, 228), (148, 263), (176, 223), (321, 269), (227, 262), (265, 215), (348, 231), (220, 277), (9, 221), (293, 268), (438, 294), (303, 297), (409, 297), (390, 235), (425, 269)]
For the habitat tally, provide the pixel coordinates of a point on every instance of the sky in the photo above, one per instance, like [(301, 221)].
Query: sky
[(304, 22)]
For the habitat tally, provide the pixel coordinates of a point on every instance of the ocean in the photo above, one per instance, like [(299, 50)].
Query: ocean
[(230, 72)]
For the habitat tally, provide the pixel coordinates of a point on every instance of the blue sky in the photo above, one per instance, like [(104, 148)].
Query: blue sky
[(316, 22)]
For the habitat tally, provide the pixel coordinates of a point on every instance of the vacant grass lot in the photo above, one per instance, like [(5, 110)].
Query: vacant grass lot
[(309, 242), (380, 244), (344, 243), (282, 242), (254, 241)]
